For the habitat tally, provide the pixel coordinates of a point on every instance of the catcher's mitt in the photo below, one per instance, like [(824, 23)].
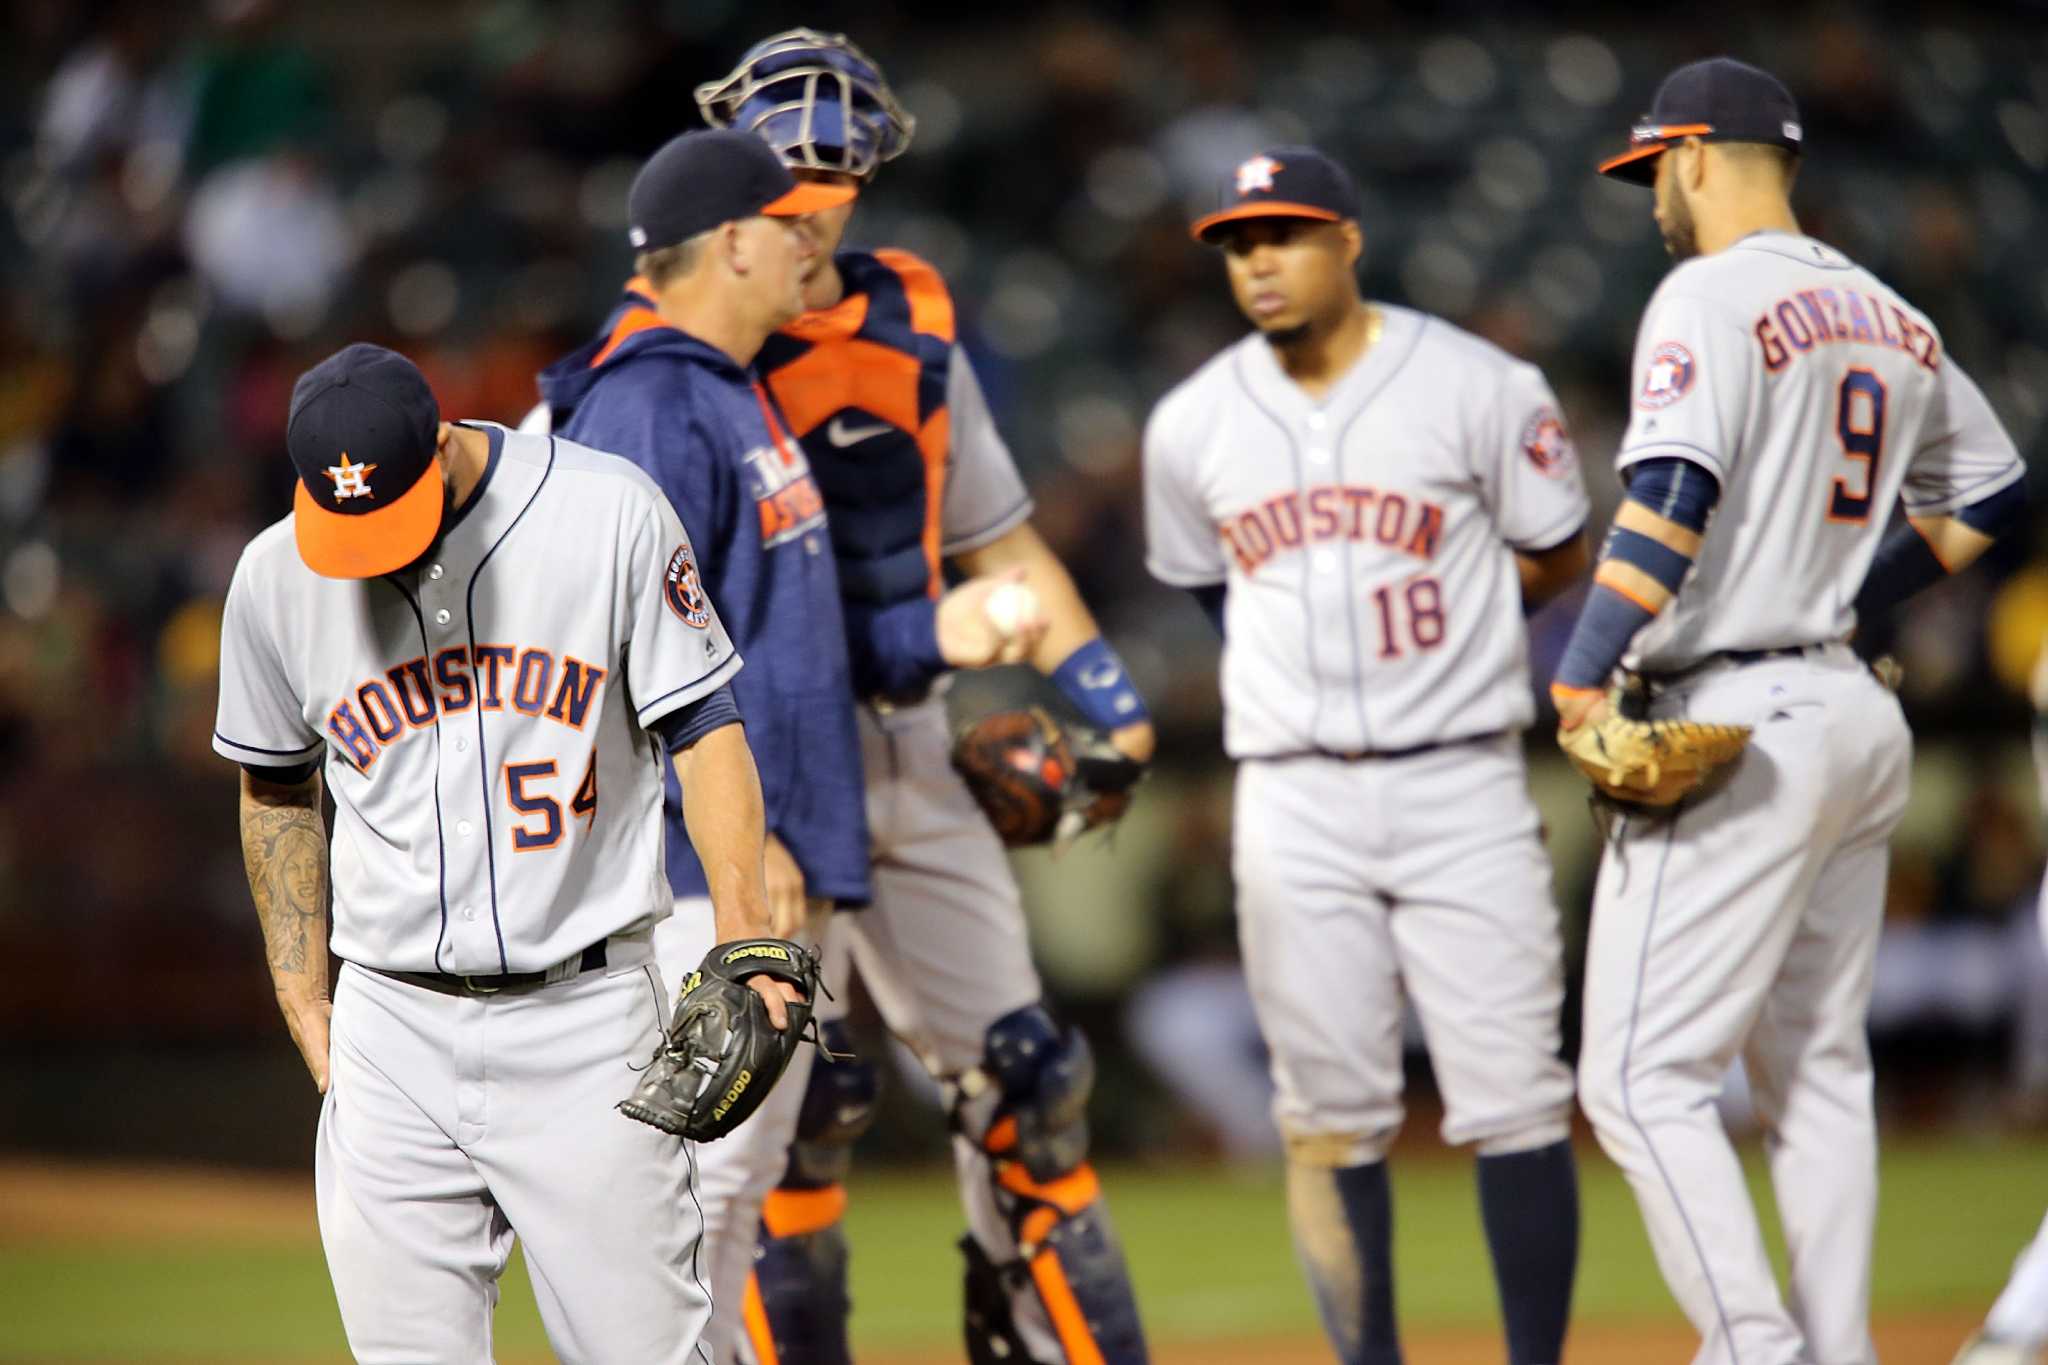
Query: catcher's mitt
[(1039, 781), (1649, 762), (721, 1055)]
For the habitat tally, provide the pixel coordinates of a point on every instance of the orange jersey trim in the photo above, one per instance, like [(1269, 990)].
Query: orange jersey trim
[(631, 322)]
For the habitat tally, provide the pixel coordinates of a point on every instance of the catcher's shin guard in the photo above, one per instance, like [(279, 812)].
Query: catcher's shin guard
[(796, 1304), (1031, 1094)]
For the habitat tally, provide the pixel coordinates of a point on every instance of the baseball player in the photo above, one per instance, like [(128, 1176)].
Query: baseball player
[(914, 473), (485, 641), (1365, 499), (1785, 400)]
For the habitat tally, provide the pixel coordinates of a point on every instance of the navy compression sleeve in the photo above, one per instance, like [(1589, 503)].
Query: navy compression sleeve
[(685, 725)]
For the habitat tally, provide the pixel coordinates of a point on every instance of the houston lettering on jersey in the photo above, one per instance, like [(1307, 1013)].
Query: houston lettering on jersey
[(416, 693), (789, 498), (785, 492), (1332, 512), (1799, 322)]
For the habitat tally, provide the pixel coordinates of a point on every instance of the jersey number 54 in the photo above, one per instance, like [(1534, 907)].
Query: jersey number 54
[(520, 780)]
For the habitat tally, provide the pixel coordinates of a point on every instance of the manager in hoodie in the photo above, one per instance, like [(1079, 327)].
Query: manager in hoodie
[(669, 384)]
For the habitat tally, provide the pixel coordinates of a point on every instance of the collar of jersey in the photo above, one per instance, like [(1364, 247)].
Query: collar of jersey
[(1400, 331), (496, 435), (664, 336)]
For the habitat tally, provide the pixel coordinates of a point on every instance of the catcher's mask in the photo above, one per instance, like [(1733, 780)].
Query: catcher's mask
[(818, 100)]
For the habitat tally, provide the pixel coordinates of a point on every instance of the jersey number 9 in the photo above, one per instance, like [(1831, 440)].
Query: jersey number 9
[(1859, 426)]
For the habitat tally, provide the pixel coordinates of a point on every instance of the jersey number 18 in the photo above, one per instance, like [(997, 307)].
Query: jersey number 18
[(1423, 599)]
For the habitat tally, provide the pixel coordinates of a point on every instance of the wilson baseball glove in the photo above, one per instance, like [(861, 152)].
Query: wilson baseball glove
[(1039, 781), (721, 1055), (1649, 762)]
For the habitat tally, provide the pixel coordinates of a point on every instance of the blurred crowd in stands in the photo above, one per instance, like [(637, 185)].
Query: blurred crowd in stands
[(197, 200)]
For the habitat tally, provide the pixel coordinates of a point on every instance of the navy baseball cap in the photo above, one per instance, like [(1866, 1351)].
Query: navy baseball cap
[(362, 435), (712, 176), (1717, 100), (1285, 182)]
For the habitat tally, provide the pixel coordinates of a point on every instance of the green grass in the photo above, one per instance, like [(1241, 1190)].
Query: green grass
[(1209, 1250)]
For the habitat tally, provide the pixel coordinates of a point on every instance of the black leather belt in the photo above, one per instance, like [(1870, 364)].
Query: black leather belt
[(1757, 656), (1741, 658), (1359, 755), (448, 983)]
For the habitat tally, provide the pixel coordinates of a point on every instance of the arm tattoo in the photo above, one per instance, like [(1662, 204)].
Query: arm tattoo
[(284, 849)]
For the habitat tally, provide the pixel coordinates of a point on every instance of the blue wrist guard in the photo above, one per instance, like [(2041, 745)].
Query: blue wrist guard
[(1093, 678)]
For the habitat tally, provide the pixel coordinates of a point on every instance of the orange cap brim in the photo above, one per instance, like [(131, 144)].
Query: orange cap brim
[(809, 196), (369, 544), (1265, 208), (1635, 164)]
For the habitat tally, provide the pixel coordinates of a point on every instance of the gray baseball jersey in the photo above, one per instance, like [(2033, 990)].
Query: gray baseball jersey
[(1818, 398), (484, 714), (985, 497), (1366, 539)]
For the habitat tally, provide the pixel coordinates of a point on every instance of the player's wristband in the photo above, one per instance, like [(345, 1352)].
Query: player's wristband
[(1600, 638), (1668, 567), (1094, 679)]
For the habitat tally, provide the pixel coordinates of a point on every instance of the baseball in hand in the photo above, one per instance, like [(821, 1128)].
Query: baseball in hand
[(1010, 607)]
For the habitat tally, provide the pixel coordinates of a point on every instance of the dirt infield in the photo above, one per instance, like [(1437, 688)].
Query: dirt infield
[(41, 1201)]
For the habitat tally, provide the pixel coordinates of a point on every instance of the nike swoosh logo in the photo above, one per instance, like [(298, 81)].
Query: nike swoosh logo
[(842, 435)]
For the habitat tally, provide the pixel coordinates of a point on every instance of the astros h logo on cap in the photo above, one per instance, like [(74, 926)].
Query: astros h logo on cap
[(1283, 182), (362, 434)]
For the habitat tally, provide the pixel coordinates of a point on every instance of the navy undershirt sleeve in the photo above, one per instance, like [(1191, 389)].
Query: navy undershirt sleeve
[(296, 775), (1905, 563), (685, 725)]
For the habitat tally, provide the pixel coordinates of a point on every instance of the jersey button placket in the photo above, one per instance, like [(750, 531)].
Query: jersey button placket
[(463, 788), (1346, 628)]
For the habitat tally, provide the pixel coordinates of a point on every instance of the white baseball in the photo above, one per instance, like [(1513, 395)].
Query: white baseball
[(1009, 607)]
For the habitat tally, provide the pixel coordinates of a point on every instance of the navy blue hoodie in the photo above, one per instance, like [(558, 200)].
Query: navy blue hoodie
[(705, 429)]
